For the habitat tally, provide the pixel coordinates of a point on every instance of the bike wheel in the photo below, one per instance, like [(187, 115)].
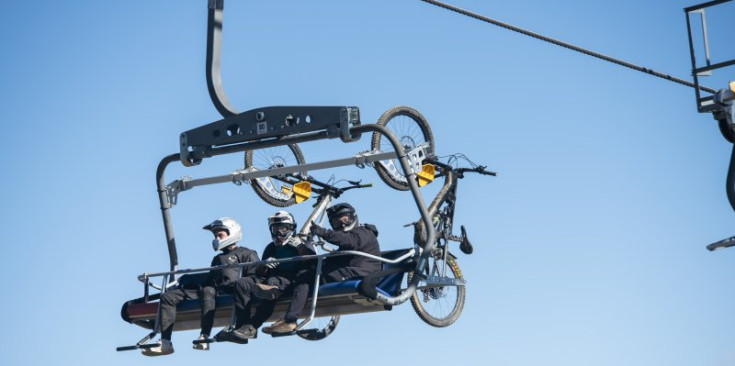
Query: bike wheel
[(324, 327), (412, 130), (439, 306), (271, 190)]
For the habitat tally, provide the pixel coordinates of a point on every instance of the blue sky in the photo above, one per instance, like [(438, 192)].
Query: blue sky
[(589, 245)]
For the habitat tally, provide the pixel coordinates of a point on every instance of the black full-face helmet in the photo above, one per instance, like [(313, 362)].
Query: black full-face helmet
[(335, 214)]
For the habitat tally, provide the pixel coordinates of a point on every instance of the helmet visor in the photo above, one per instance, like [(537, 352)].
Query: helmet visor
[(281, 230), (341, 221)]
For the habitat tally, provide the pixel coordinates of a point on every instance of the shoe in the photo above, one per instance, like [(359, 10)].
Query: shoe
[(163, 347), (268, 329), (267, 292), (245, 332), (202, 346), (225, 335), (280, 326)]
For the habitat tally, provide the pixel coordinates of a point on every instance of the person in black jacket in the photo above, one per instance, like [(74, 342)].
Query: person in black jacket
[(278, 279), (227, 232), (346, 234)]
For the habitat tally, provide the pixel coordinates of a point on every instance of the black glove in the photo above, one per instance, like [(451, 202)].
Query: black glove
[(272, 264), (317, 230), (292, 241)]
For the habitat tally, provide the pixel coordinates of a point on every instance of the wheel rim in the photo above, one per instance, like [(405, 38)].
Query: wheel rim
[(439, 306), (275, 157), (409, 135)]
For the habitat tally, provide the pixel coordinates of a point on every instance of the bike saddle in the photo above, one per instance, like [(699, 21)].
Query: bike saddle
[(465, 246)]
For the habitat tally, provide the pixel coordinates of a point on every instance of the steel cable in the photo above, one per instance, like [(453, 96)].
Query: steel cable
[(566, 45)]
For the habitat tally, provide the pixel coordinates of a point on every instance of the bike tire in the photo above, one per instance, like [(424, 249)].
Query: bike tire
[(411, 129), (268, 189), (325, 327), (428, 303)]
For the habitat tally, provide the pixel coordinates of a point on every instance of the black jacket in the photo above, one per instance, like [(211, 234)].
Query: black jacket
[(363, 238), (295, 247), (225, 277)]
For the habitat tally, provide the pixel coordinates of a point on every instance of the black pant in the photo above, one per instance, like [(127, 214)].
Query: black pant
[(243, 301), (171, 298), (296, 284)]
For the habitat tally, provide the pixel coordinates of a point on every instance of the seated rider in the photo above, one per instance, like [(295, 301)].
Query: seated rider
[(278, 278), (227, 233), (346, 234)]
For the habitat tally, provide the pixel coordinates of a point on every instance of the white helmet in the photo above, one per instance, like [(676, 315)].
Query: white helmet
[(227, 224), (282, 226)]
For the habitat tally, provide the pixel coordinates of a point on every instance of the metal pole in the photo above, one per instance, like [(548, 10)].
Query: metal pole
[(413, 185), (165, 210)]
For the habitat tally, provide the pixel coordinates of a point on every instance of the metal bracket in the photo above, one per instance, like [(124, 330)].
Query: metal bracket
[(415, 157), (268, 123), (173, 189), (444, 281), (725, 112)]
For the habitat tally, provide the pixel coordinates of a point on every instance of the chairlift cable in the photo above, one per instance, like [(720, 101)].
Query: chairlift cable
[(566, 45)]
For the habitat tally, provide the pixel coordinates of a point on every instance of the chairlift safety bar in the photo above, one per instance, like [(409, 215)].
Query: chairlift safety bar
[(143, 277)]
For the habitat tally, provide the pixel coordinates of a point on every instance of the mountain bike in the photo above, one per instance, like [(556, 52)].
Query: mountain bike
[(436, 303)]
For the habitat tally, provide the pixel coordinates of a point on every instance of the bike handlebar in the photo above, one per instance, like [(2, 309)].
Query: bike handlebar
[(480, 169), (333, 190)]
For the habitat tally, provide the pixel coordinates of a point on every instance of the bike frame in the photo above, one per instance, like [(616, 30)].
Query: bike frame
[(442, 207)]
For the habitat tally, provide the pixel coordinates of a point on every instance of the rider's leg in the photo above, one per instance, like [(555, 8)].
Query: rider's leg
[(207, 295), (243, 294), (168, 303), (300, 288)]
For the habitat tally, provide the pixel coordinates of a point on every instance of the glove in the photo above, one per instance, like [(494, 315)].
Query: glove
[(292, 241), (271, 263), (317, 230)]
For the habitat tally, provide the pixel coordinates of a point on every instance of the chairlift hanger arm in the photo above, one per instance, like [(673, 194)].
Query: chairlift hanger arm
[(214, 51)]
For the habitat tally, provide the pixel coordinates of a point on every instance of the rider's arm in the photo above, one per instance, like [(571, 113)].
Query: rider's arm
[(350, 240), (252, 256)]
